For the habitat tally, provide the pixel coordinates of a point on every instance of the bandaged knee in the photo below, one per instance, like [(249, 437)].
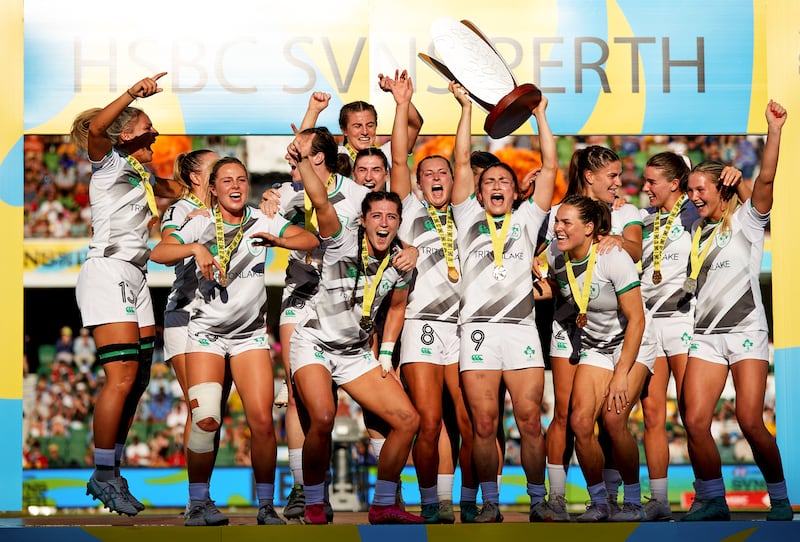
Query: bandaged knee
[(204, 400)]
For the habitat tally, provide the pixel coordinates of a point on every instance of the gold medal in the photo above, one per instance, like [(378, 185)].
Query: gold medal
[(366, 323), (656, 277), (452, 274), (690, 285), (581, 319), (223, 280), (498, 243), (580, 296)]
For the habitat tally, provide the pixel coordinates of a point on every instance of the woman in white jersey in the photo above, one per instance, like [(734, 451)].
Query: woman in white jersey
[(666, 243), (112, 291), (430, 344), (603, 288), (191, 170), (730, 326), (228, 320), (333, 343), (499, 341), (594, 172)]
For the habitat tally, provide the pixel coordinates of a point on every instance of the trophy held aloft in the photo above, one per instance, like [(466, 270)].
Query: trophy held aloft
[(470, 59)]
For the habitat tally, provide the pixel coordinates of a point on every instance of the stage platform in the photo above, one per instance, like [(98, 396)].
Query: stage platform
[(158, 526)]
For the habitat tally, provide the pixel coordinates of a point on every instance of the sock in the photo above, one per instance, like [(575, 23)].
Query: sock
[(314, 494), (119, 450), (469, 494), (777, 491), (699, 489), (444, 487), (537, 492), (103, 464), (714, 488), (489, 492), (198, 491), (557, 477), (598, 493), (296, 465), (659, 490), (265, 493), (632, 493), (385, 492), (612, 479), (428, 495)]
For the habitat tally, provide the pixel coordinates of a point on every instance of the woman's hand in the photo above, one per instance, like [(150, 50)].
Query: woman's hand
[(406, 260), (618, 393), (608, 243), (146, 87), (205, 261), (270, 202)]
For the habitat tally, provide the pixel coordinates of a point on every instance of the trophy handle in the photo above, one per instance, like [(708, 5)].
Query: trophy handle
[(445, 72), (482, 36)]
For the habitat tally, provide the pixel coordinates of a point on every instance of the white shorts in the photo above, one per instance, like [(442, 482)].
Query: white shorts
[(200, 341), (110, 290), (565, 341), (728, 348), (429, 341), (176, 334), (499, 347), (673, 335), (645, 356), (344, 368), (294, 310)]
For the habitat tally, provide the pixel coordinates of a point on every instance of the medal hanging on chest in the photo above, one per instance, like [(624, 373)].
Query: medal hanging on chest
[(698, 256), (581, 295), (447, 237), (370, 286), (498, 243), (660, 236), (225, 252)]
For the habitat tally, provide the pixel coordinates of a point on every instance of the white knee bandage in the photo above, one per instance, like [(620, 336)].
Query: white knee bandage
[(204, 399)]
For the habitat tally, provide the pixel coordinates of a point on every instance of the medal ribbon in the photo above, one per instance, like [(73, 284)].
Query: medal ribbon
[(659, 235), (498, 240), (371, 287), (311, 213), (197, 201), (696, 257), (445, 233), (581, 296), (148, 188), (351, 151), (223, 251)]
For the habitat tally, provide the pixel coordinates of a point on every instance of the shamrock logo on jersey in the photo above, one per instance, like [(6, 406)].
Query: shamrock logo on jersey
[(675, 232), (723, 238), (594, 292), (384, 287), (516, 232)]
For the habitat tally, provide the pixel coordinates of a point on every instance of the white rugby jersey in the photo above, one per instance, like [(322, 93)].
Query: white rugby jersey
[(240, 308), (120, 213), (432, 296), (667, 298), (332, 323), (185, 285), (483, 298), (302, 277), (728, 291), (627, 215), (614, 274)]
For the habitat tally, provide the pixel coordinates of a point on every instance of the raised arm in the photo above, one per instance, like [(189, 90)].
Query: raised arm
[(463, 183), (402, 89), (99, 142), (316, 105), (763, 185), (546, 179), (300, 151), (413, 117)]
